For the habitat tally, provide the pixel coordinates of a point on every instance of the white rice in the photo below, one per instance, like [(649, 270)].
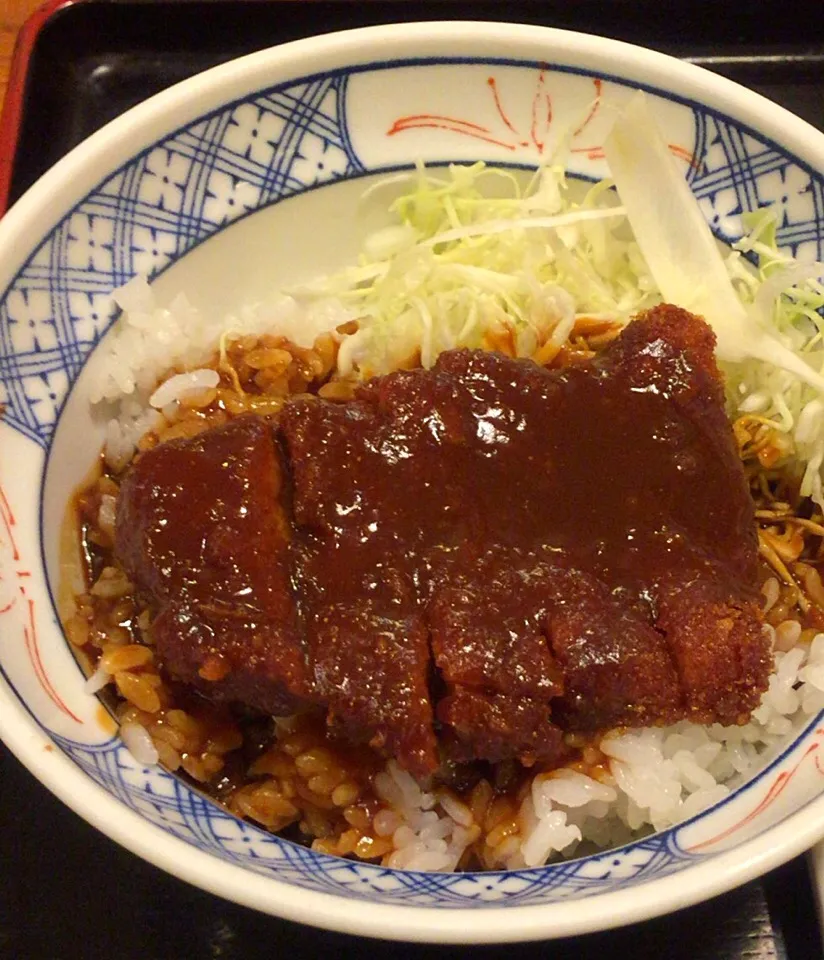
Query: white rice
[(97, 680), (425, 835), (149, 339), (176, 388), (139, 743)]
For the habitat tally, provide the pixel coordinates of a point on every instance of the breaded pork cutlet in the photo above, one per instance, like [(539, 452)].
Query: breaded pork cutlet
[(470, 560)]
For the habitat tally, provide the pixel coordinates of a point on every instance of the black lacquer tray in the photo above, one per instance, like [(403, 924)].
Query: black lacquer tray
[(67, 892)]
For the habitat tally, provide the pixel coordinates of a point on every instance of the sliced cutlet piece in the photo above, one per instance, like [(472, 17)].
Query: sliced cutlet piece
[(617, 669), (201, 531), (497, 727), (371, 668), (487, 619), (716, 640), (366, 637), (481, 602), (705, 605)]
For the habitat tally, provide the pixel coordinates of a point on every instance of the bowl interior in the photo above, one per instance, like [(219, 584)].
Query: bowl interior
[(250, 182)]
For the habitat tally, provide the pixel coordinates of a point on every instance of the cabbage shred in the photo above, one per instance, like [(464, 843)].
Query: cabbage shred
[(788, 299)]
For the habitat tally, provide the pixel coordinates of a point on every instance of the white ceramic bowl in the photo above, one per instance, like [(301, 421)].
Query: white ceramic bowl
[(248, 176)]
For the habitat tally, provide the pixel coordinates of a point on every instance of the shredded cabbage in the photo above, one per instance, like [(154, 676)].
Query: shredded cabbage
[(459, 265), (474, 253), (788, 298), (768, 322)]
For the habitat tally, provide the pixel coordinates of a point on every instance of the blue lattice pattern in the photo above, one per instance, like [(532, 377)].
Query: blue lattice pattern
[(148, 215), (736, 173), (167, 802)]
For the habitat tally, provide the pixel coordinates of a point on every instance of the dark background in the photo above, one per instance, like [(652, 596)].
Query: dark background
[(67, 892)]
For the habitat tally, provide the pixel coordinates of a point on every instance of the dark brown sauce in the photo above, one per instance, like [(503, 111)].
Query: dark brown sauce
[(576, 465)]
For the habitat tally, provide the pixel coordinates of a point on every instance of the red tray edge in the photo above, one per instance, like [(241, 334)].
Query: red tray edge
[(12, 115)]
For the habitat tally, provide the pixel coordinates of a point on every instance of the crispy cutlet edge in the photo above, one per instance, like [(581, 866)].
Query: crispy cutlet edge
[(744, 642), (687, 332)]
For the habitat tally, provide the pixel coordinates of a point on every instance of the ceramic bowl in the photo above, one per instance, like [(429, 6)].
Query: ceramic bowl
[(246, 177)]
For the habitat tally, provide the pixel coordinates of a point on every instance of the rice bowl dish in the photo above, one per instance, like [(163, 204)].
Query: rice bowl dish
[(324, 336)]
